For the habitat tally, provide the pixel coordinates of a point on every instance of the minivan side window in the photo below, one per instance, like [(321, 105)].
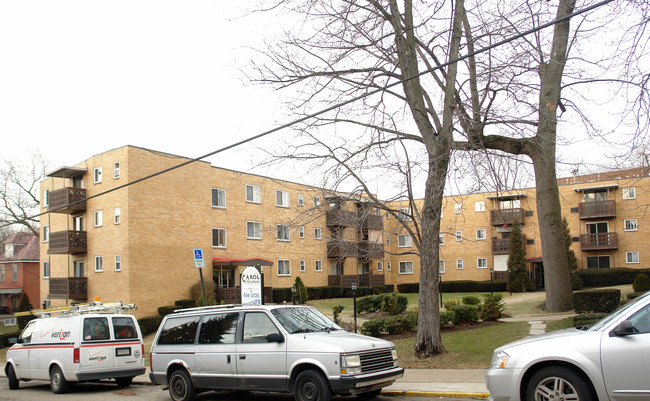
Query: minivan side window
[(123, 327), (96, 328), (257, 326), (219, 329), (179, 330)]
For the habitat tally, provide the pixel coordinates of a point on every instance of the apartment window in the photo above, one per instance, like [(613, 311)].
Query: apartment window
[(253, 230), (2, 274), (9, 251), (630, 225), (116, 170), (441, 266), (316, 201), (218, 237), (116, 215), (219, 198), (14, 273), (481, 263), (282, 198), (380, 266), (46, 233), (283, 232), (510, 204), (253, 194), (459, 264), (388, 266), (78, 268), (319, 265), (406, 267), (479, 206), (284, 267), (301, 201), (97, 218), (441, 238), (458, 208), (629, 193), (97, 174), (99, 263), (118, 263), (598, 262), (302, 265), (459, 235), (404, 214), (301, 232), (46, 269), (631, 257), (480, 234), (46, 198), (317, 233), (404, 241)]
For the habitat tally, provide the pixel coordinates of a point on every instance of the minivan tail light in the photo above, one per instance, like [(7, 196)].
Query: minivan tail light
[(75, 355)]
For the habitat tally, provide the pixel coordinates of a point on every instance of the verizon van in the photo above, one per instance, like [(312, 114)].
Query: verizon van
[(82, 344)]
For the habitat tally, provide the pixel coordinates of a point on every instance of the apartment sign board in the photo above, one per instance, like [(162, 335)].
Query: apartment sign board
[(251, 286)]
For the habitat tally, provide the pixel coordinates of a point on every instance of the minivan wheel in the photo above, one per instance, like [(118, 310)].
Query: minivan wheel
[(557, 383), (180, 386), (11, 375), (58, 383), (311, 385)]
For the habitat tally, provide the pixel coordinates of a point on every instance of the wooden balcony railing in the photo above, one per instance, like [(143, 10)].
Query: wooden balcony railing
[(59, 201), (361, 280), (68, 288), (597, 210), (342, 249), (72, 242), (598, 242), (502, 246), (500, 217), (371, 222), (341, 218), (370, 250)]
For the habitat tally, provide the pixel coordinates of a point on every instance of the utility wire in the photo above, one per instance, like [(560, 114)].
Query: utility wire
[(333, 107)]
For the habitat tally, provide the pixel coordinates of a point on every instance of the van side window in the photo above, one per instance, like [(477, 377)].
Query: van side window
[(26, 335), (257, 326), (181, 330), (96, 328), (219, 329), (123, 327)]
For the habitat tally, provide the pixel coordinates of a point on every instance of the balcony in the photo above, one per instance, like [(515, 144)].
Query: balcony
[(501, 217), (598, 242), (68, 288), (341, 218), (72, 242), (502, 246), (339, 249), (361, 280), (59, 201), (370, 250), (597, 210), (371, 222)]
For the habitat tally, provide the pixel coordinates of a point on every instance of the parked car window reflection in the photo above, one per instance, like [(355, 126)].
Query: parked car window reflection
[(219, 329), (641, 320), (257, 326)]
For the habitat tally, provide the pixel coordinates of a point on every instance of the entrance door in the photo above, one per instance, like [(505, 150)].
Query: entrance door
[(78, 223), (224, 278)]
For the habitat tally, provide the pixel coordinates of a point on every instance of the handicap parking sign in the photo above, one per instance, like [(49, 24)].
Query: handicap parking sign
[(198, 258)]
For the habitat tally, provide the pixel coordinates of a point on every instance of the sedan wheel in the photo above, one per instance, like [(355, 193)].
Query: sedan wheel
[(557, 384)]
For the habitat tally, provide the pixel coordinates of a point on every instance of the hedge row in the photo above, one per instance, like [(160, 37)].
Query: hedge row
[(597, 301), (6, 337), (149, 324), (328, 292), (610, 277), (459, 286)]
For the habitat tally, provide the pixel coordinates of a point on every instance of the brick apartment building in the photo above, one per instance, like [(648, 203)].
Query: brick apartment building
[(134, 243), (19, 271)]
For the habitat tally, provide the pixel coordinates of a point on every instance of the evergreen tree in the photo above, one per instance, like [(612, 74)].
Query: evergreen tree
[(519, 280), (571, 255), (301, 291)]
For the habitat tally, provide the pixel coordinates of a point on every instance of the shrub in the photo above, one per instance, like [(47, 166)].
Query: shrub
[(449, 305), (446, 318), (599, 301), (336, 311), (24, 306), (301, 291), (576, 282), (465, 314), (337, 292), (149, 324), (186, 303), (196, 291), (282, 295), (369, 304), (166, 310), (408, 288), (7, 339), (208, 302), (373, 327), (587, 319), (641, 283), (471, 300), (492, 307), (401, 324), (610, 277), (315, 293), (393, 303)]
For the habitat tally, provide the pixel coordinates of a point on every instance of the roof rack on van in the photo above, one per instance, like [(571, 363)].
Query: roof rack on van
[(75, 309), (209, 307)]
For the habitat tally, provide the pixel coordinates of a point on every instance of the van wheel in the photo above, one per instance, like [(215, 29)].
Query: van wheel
[(180, 386), (369, 395), (123, 381), (310, 385), (58, 383), (11, 375)]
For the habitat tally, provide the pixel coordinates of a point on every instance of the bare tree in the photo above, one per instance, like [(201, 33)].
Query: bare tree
[(19, 193)]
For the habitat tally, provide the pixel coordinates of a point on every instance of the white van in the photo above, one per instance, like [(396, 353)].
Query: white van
[(77, 347)]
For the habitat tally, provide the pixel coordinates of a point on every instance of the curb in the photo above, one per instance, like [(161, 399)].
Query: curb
[(437, 394)]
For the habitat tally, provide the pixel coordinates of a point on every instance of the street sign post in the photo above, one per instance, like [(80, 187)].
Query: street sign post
[(199, 263)]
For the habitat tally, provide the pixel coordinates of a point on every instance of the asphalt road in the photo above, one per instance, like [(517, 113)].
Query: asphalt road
[(39, 390)]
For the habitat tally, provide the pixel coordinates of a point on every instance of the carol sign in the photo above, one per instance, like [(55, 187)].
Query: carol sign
[(251, 286)]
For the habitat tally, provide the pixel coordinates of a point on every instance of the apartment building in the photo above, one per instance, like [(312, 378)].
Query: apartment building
[(19, 271), (101, 237)]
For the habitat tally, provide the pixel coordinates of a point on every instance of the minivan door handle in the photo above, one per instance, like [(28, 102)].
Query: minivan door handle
[(242, 356)]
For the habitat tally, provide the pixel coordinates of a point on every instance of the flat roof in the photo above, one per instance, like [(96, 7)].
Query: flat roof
[(596, 187), (66, 172)]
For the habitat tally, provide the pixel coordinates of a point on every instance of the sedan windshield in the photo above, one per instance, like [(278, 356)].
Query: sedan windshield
[(303, 320)]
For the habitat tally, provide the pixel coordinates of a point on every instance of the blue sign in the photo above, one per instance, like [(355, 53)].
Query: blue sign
[(198, 258)]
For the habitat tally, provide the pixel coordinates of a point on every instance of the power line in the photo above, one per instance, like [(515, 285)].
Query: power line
[(333, 107)]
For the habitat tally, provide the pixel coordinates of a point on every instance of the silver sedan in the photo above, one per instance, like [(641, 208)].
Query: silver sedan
[(608, 361)]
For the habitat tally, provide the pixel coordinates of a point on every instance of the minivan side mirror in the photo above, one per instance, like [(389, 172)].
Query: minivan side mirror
[(275, 338), (624, 328)]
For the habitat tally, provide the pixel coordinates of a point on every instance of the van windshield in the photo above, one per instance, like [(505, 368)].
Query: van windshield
[(303, 320)]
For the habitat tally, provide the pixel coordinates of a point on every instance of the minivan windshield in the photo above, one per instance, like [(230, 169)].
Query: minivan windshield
[(303, 320)]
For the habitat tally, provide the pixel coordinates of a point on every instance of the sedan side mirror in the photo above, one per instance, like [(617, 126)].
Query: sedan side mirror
[(275, 338), (624, 328)]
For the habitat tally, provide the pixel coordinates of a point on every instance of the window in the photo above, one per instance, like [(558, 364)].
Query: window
[(14, 273), (380, 266), (46, 198), (301, 232), (78, 268), (219, 329), (388, 266), (404, 214), (404, 241), (46, 269), (510, 204), (253, 230), (459, 235), (629, 193), (180, 330), (116, 170), (46, 233), (458, 208), (631, 257), (96, 328), (479, 206), (284, 267), (302, 265), (441, 266), (319, 265), (301, 201), (283, 232), (9, 251), (317, 233), (219, 198), (99, 263), (2, 274), (282, 198), (316, 201), (481, 263), (459, 264), (598, 262), (118, 263), (630, 225), (441, 238), (97, 174), (253, 194), (257, 326), (116, 215), (480, 234), (218, 237), (124, 327), (97, 218), (406, 267)]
